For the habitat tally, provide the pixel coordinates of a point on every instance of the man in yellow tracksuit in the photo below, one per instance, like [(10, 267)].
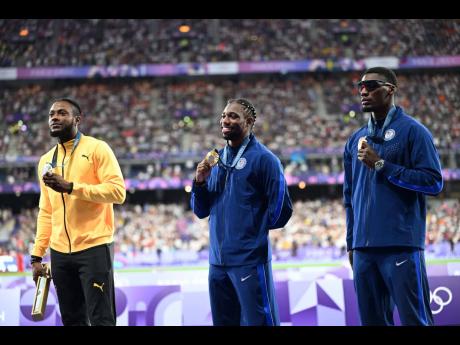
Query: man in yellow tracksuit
[(80, 180)]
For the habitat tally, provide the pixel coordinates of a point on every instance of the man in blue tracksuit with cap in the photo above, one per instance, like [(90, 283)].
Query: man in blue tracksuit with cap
[(390, 165), (245, 195)]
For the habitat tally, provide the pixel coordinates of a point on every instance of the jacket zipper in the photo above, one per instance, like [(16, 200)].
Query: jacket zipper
[(368, 194), (63, 202), (223, 218)]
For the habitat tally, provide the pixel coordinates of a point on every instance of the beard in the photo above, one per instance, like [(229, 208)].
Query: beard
[(64, 132), (235, 133), (367, 109)]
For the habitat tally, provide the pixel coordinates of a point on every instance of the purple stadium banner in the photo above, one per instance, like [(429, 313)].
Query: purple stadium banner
[(444, 301), (9, 311), (219, 68), (325, 300), (429, 61), (52, 72), (135, 305), (178, 183), (117, 71), (161, 70), (274, 66)]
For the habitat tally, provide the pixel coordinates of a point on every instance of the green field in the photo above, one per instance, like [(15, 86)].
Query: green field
[(276, 266)]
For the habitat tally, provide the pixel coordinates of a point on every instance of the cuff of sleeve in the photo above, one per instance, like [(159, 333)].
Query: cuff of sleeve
[(71, 188), (198, 184), (34, 258), (38, 251), (199, 191), (389, 169), (77, 189)]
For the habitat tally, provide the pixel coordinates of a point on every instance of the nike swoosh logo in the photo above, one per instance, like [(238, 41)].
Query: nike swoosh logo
[(400, 263), (244, 278)]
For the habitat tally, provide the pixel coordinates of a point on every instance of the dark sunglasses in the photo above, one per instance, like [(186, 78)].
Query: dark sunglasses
[(371, 85)]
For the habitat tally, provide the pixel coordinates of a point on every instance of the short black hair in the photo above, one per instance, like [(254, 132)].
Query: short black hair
[(248, 107), (386, 72), (75, 106)]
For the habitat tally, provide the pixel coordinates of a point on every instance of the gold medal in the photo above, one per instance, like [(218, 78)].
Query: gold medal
[(360, 142), (212, 157)]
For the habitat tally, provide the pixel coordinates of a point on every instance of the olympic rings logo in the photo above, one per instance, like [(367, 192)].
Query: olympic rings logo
[(442, 299)]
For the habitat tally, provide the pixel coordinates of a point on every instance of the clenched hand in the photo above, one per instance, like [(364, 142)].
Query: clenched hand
[(56, 182), (367, 155), (203, 170)]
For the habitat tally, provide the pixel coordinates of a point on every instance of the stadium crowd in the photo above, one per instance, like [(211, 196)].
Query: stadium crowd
[(170, 123), (156, 229), (180, 117), (79, 42), (165, 123)]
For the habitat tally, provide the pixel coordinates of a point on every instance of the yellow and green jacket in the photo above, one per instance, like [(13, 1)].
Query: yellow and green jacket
[(84, 218)]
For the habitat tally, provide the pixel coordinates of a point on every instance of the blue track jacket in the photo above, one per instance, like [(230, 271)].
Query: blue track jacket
[(388, 207), (243, 203)]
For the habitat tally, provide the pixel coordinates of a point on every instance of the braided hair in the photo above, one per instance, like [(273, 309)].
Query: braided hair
[(249, 109)]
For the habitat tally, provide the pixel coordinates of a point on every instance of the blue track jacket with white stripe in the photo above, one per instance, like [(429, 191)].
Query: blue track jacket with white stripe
[(243, 206), (388, 207)]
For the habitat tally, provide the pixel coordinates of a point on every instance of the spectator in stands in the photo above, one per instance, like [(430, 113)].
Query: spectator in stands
[(140, 126), (322, 217), (105, 42), (244, 195), (76, 219)]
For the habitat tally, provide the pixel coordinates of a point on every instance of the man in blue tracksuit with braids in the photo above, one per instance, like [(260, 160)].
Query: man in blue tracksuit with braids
[(245, 195), (390, 165)]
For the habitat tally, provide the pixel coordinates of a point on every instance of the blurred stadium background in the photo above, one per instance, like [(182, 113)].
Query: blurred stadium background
[(154, 90)]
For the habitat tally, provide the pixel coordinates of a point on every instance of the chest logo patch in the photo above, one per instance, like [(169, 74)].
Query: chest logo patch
[(241, 163), (389, 134)]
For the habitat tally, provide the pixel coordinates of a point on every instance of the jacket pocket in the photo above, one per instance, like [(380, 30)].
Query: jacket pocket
[(244, 227)]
